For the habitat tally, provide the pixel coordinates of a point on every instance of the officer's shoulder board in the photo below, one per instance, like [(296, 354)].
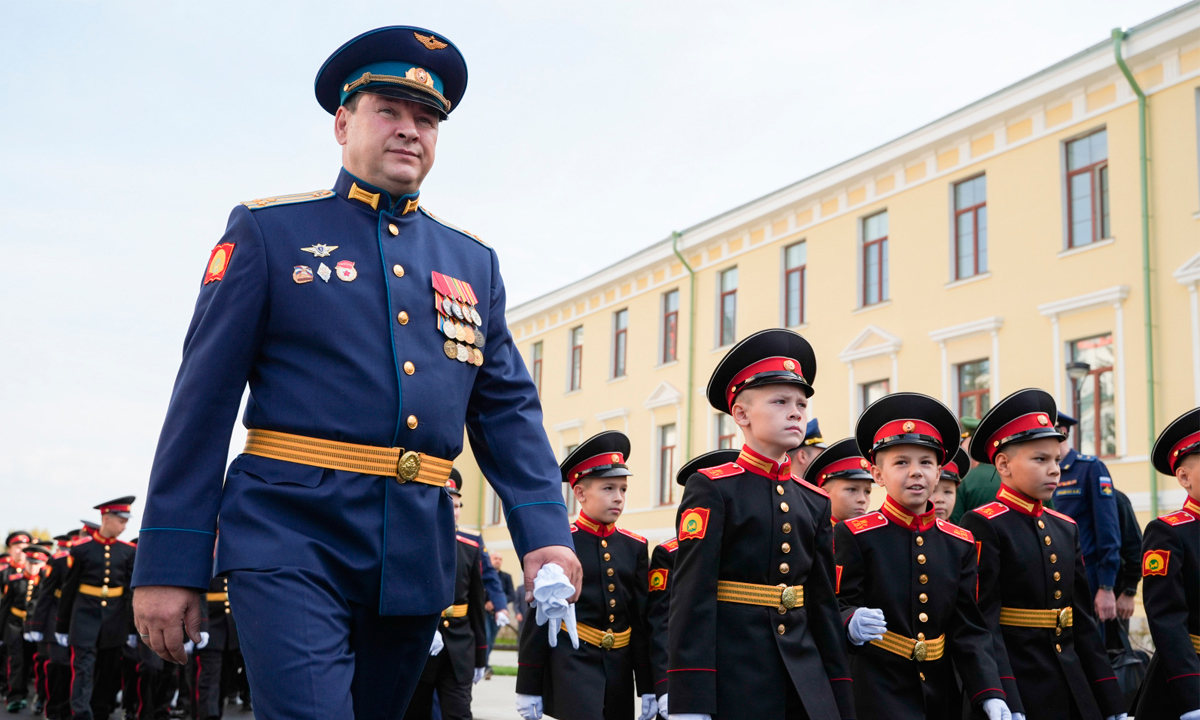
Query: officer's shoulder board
[(804, 483), (455, 228), (863, 523), (468, 541), (633, 535), (278, 200), (1085, 458), (722, 471), (955, 531), (671, 545), (1059, 515), (1179, 517), (992, 510)]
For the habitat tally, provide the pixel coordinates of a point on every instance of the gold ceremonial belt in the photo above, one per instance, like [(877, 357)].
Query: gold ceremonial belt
[(404, 465), (216, 597), (781, 597), (18, 612), (102, 591), (906, 647), (605, 640), (455, 611), (1025, 617), (1195, 642)]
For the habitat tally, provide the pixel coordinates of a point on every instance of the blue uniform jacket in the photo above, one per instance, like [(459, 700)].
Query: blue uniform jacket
[(491, 576), (1085, 493), (329, 359)]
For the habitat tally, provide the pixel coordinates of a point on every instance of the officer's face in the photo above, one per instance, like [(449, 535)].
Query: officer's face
[(849, 498), (772, 418), (943, 498), (388, 142), (908, 473), (1030, 467), (603, 499)]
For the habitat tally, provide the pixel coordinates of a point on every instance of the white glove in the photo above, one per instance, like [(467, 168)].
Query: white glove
[(1122, 716), (131, 641), (689, 716), (649, 707), (662, 705), (61, 639), (996, 709), (438, 643), (35, 636), (1190, 715), (479, 673), (1018, 716), (203, 641), (501, 618), (529, 707), (866, 624), (27, 637), (551, 588), (189, 647)]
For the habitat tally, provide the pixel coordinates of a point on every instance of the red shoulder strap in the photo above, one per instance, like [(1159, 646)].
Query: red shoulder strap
[(809, 485), (720, 471), (955, 531), (1179, 517), (863, 523), (633, 535), (462, 539), (992, 510), (1059, 515)]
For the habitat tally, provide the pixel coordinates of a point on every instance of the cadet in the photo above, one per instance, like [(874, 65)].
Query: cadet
[(1033, 591), (946, 492), (845, 475), (596, 680), (812, 446), (1085, 494), (460, 644), (217, 651), (907, 579), (1171, 581), (336, 514), (658, 601), (93, 619), (12, 618), (42, 626), (755, 630)]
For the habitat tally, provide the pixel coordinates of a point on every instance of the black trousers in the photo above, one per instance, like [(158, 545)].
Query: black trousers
[(95, 677), (151, 691), (211, 687), (454, 697), (17, 661), (58, 682)]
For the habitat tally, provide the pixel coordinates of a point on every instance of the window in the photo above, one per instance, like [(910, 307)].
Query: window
[(576, 357), (974, 389), (970, 228), (568, 491), (727, 329), (872, 391), (497, 509), (666, 463), (1096, 433), (875, 258), (620, 328), (670, 326), (726, 432), (537, 367), (1087, 189), (795, 263)]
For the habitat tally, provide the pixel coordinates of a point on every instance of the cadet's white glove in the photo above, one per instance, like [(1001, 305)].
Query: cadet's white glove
[(438, 643), (131, 641), (1190, 715), (27, 637), (529, 707), (479, 673), (61, 639), (551, 588), (649, 707), (189, 647), (203, 641), (996, 709), (501, 618), (866, 624), (662, 705), (1018, 716), (35, 636), (1122, 716), (689, 716)]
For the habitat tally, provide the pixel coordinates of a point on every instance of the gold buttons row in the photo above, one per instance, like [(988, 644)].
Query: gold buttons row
[(920, 541), (779, 489), (787, 527)]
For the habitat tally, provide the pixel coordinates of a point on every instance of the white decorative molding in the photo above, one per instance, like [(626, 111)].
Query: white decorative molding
[(956, 332), (665, 394), (1109, 296), (975, 327), (568, 425), (1189, 272), (1188, 275), (855, 350), (612, 414)]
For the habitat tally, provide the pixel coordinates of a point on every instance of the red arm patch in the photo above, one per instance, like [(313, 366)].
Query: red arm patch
[(720, 471), (1059, 515), (956, 531), (1154, 562), (693, 523), (633, 535), (870, 521), (992, 510), (810, 486), (1178, 518), (658, 579), (218, 262)]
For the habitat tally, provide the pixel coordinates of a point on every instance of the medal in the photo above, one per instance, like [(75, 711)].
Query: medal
[(478, 358), (447, 328), (345, 271), (479, 339), (475, 316), (457, 310), (446, 306), (469, 334), (320, 250), (450, 349), (302, 274), (324, 271), (462, 353), (459, 333)]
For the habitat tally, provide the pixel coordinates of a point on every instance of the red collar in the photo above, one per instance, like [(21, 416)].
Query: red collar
[(1192, 507), (905, 518), (598, 529), (1019, 501), (100, 538), (761, 465)]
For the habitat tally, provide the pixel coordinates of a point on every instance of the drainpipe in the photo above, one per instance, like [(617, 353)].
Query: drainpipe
[(1147, 319), (691, 337)]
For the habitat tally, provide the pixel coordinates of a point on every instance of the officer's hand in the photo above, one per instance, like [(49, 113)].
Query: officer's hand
[(438, 643), (662, 705), (501, 619), (1124, 606), (649, 707), (489, 606), (529, 707), (866, 624), (560, 555), (164, 615), (479, 673), (1106, 605), (61, 639), (996, 709)]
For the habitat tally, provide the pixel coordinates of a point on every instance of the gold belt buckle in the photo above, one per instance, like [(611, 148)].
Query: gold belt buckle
[(408, 466), (1063, 616), (608, 640), (920, 651), (787, 596), (103, 591)]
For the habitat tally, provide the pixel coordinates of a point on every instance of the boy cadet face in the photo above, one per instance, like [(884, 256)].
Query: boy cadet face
[(602, 499), (943, 498), (112, 525), (1030, 467), (848, 498), (387, 141), (772, 418), (908, 473), (1187, 473), (457, 509)]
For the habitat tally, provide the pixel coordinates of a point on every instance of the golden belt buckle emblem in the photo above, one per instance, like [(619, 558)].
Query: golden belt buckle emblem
[(103, 591), (787, 597), (608, 640), (1063, 616), (920, 651), (408, 466)]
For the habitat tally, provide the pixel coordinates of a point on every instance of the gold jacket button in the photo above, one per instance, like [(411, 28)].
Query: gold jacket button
[(923, 598), (1053, 558), (412, 422), (610, 572), (920, 541), (921, 559), (1041, 525), (409, 368), (778, 489), (1058, 631), (612, 603), (402, 318), (922, 676), (608, 556), (783, 506), (445, 623), (924, 579), (611, 587), (603, 543), (1057, 594), (1057, 575), (781, 629), (226, 611), (784, 568), (1046, 539), (612, 618), (1058, 647), (787, 527), (393, 229), (398, 270), (103, 603), (921, 636), (923, 617), (786, 548)]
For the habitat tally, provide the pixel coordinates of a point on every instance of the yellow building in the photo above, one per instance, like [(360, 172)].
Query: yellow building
[(975, 256)]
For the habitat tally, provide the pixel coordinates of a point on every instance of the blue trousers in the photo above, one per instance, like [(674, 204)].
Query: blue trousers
[(312, 653)]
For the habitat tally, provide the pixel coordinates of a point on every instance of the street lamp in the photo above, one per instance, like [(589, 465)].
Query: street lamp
[(1077, 370)]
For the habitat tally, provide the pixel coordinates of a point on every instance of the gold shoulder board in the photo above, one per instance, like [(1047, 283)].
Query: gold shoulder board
[(288, 199), (440, 221)]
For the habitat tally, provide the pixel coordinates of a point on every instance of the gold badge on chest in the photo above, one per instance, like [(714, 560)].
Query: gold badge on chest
[(455, 301)]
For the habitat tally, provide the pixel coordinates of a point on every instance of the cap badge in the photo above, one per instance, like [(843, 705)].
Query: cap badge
[(418, 74), (789, 365), (909, 426), (615, 458), (430, 42), (865, 465), (1043, 420)]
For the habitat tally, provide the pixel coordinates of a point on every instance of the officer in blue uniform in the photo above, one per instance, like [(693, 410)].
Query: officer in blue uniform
[(803, 454), (1085, 494), (370, 333)]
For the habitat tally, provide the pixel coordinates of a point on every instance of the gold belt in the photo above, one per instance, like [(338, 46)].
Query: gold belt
[(782, 597), (1026, 617), (18, 612), (455, 611), (216, 597), (404, 465), (906, 647), (606, 640), (1195, 642), (102, 591)]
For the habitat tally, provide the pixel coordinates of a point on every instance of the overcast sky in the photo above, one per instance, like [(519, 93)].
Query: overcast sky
[(589, 129)]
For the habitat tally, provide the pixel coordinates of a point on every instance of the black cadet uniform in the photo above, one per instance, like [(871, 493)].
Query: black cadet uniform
[(463, 626), (920, 571), (1033, 590), (1171, 587), (598, 679), (45, 614), (95, 614), (755, 630), (213, 659), (840, 461), (15, 591)]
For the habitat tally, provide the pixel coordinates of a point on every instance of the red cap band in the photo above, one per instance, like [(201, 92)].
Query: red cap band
[(771, 364), (950, 467), (843, 465), (1181, 446), (1025, 423), (114, 508), (20, 538), (906, 427), (614, 458)]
